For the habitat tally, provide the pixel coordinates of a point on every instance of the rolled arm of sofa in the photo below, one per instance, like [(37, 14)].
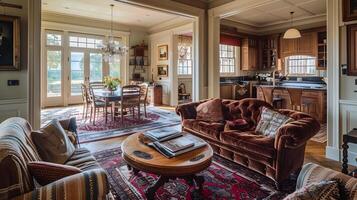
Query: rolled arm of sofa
[(92, 184), (296, 133), (187, 110), (313, 173)]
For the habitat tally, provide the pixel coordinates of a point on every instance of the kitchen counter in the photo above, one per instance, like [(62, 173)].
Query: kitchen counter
[(322, 88)]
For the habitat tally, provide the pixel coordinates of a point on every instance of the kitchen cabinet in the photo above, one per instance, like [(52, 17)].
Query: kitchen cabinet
[(317, 99), (306, 45), (322, 50), (352, 50), (288, 47), (226, 91), (249, 54), (349, 9), (269, 52)]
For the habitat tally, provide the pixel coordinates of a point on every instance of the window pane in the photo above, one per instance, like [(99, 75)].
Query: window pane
[(54, 39), (54, 64), (301, 65), (227, 59), (77, 72), (114, 67), (96, 67)]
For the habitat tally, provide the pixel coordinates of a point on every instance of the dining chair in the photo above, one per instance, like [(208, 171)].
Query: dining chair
[(268, 95), (97, 85), (96, 104), (144, 88), (86, 101), (130, 99)]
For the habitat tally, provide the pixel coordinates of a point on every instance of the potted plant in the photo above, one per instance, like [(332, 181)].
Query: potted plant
[(111, 83)]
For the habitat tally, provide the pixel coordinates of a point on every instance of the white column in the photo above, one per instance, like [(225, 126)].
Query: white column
[(197, 69), (34, 63), (213, 55), (173, 72), (333, 135)]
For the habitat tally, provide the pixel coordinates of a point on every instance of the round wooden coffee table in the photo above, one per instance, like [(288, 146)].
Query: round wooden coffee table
[(141, 157)]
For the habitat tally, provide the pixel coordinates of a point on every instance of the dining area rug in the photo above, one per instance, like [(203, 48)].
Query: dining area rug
[(223, 180), (89, 132)]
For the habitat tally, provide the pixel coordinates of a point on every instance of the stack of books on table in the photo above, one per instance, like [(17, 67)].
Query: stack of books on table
[(174, 144)]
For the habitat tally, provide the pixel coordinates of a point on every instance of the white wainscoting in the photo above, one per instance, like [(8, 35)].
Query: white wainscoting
[(13, 108), (348, 120)]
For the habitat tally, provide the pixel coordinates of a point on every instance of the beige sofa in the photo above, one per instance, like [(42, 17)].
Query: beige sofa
[(17, 149)]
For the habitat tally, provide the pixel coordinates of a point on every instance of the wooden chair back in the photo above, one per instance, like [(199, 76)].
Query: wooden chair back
[(268, 94), (130, 96), (85, 94), (182, 88), (144, 88), (295, 96), (96, 85)]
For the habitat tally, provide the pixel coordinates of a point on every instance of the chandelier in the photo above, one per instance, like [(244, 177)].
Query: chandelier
[(112, 47)]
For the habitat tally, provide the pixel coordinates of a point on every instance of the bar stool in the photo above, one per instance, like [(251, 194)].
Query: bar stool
[(268, 95), (296, 100)]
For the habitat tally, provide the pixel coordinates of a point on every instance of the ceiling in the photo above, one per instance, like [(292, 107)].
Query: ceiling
[(123, 13), (278, 12)]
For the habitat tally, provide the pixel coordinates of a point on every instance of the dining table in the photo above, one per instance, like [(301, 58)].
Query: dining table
[(109, 97)]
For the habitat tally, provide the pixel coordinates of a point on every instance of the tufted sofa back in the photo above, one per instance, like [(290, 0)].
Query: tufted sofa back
[(16, 150)]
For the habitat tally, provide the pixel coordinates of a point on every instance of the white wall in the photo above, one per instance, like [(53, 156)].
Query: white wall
[(13, 99)]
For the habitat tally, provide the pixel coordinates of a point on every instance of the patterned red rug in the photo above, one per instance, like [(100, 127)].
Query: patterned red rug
[(223, 180)]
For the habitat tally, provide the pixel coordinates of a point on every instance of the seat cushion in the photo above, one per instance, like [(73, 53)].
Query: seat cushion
[(250, 141), (83, 159), (209, 129), (210, 111)]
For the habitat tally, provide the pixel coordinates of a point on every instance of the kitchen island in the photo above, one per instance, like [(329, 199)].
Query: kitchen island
[(313, 94)]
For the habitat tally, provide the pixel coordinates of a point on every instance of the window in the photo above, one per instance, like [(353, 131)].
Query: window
[(54, 39), (114, 67), (184, 60), (85, 42), (227, 59), (300, 65)]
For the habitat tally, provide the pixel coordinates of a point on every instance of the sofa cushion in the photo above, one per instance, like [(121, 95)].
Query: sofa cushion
[(237, 124), (250, 141), (46, 172), (270, 121), (323, 190), (83, 159), (210, 111), (208, 129), (53, 143)]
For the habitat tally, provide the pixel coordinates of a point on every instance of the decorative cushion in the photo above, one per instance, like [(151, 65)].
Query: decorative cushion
[(52, 143), (210, 111), (328, 190), (46, 172), (270, 122), (238, 124)]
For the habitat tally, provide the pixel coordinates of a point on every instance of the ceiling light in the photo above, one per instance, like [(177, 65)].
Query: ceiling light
[(292, 33)]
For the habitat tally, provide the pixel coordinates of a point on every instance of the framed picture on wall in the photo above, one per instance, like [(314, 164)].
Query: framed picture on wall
[(162, 70), (163, 52), (9, 43)]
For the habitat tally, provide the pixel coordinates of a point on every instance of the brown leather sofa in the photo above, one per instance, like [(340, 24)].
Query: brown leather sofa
[(275, 157)]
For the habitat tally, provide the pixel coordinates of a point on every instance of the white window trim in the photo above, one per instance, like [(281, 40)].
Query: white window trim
[(237, 63)]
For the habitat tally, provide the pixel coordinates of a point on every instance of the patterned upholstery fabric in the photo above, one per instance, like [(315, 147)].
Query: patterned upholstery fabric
[(328, 190), (46, 172), (313, 173), (266, 155), (270, 121), (17, 149), (91, 184)]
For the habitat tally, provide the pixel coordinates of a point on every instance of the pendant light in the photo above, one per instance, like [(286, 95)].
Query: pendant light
[(292, 33)]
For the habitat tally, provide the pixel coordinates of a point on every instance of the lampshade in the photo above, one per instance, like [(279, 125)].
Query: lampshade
[(292, 33)]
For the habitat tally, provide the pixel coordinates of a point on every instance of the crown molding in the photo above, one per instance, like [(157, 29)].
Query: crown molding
[(169, 24)]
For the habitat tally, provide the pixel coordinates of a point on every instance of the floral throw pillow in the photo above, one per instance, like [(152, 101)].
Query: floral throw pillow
[(270, 121), (325, 190)]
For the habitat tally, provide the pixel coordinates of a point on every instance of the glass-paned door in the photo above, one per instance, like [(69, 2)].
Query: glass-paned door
[(76, 73), (54, 73), (96, 67)]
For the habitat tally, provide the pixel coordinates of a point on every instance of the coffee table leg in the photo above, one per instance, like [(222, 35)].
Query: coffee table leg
[(150, 192)]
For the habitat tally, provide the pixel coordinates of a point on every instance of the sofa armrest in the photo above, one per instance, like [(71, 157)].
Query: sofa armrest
[(187, 110), (313, 173), (91, 184), (296, 133)]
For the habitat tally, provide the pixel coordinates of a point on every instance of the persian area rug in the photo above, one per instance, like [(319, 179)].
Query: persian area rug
[(156, 118), (223, 180)]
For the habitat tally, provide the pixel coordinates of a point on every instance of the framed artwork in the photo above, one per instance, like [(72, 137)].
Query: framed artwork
[(349, 8), (162, 70), (9, 43), (163, 52)]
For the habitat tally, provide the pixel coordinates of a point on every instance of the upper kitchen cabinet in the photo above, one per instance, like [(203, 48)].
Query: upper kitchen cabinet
[(349, 10), (269, 52), (306, 45), (287, 47), (351, 50), (249, 54)]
